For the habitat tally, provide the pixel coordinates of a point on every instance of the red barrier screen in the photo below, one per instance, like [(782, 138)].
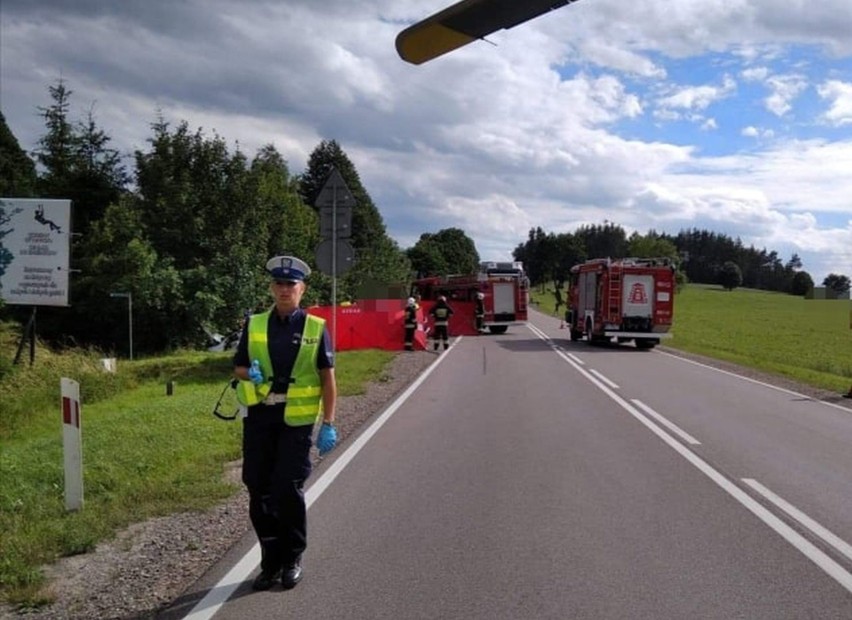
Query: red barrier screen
[(378, 323)]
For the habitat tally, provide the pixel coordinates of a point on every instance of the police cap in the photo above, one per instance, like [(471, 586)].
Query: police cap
[(288, 268)]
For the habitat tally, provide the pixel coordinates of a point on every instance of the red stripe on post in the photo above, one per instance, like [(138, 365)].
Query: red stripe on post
[(70, 412)]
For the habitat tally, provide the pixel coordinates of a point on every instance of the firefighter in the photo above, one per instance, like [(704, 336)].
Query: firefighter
[(410, 323), (479, 312), (285, 363), (441, 313)]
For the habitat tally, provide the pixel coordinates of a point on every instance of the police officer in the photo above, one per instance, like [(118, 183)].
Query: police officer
[(285, 363), (410, 323), (441, 313), (479, 312)]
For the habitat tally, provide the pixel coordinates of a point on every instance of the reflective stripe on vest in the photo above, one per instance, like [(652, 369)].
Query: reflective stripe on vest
[(441, 315), (304, 396), (247, 392), (304, 402)]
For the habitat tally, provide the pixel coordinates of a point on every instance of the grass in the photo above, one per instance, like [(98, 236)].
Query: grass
[(806, 340), (145, 453)]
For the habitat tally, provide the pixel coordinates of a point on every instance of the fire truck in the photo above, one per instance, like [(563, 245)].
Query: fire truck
[(504, 285), (627, 299)]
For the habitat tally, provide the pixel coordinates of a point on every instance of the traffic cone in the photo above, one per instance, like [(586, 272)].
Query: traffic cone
[(848, 394), (562, 324)]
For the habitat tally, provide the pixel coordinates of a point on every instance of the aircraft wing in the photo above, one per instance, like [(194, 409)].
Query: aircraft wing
[(465, 22)]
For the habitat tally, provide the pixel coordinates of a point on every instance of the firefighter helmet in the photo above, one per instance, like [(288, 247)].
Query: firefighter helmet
[(442, 298), (410, 301), (480, 295)]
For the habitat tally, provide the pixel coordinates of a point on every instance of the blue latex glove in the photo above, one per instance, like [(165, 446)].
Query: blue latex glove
[(327, 438), (254, 373)]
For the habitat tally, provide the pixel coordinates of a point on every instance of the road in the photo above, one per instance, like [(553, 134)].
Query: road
[(528, 477)]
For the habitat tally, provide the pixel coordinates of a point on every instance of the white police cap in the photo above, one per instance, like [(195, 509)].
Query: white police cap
[(288, 268)]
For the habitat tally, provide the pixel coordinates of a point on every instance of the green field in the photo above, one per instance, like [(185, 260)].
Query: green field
[(806, 340)]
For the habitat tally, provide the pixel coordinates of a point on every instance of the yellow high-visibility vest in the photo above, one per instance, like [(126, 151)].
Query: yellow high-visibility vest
[(304, 393)]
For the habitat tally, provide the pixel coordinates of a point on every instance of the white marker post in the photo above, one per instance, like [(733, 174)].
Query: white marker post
[(72, 443)]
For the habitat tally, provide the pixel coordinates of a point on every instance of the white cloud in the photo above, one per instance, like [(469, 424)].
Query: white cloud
[(755, 74), (698, 97), (784, 89), (839, 95)]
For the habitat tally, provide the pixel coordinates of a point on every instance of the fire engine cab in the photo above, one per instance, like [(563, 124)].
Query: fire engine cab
[(504, 285), (627, 299)]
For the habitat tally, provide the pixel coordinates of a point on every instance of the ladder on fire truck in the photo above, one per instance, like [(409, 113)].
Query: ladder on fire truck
[(615, 293)]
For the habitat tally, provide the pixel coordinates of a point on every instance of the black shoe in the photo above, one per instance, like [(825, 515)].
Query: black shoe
[(291, 576), (266, 579)]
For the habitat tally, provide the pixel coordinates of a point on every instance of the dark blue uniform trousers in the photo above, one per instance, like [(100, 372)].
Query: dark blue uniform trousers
[(276, 463)]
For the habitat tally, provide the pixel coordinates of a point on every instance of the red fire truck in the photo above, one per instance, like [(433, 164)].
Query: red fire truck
[(504, 285), (627, 299)]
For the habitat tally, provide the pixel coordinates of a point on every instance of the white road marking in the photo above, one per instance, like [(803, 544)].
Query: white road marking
[(835, 541), (750, 380), (207, 607), (802, 544), (600, 376), (665, 422)]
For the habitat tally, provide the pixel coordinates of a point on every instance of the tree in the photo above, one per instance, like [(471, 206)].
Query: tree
[(605, 241), (730, 276), (651, 245), (58, 147), (378, 258), (200, 209), (838, 283), (76, 164), (17, 171), (801, 284), (448, 251)]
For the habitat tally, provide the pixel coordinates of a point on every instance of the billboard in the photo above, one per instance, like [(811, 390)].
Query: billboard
[(35, 245)]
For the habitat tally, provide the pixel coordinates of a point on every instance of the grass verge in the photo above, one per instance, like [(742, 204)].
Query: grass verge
[(145, 453)]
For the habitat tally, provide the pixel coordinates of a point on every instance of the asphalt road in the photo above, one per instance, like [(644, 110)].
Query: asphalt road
[(528, 477)]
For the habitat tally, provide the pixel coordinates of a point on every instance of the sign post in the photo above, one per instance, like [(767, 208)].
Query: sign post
[(335, 202), (72, 444)]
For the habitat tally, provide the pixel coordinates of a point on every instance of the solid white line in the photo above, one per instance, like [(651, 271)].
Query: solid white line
[(835, 541), (600, 376), (207, 607), (750, 380), (807, 548), (665, 422)]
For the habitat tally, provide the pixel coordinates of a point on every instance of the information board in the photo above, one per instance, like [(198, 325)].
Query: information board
[(34, 251)]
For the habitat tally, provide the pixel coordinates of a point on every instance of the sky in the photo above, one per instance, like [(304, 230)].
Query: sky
[(730, 116)]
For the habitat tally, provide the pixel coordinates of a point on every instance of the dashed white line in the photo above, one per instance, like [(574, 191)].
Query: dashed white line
[(665, 422), (603, 378), (802, 544)]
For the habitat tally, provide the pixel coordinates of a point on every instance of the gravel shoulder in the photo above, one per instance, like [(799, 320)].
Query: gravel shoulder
[(150, 564)]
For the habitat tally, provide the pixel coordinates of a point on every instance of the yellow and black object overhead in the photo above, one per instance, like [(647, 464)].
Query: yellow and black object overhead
[(465, 22)]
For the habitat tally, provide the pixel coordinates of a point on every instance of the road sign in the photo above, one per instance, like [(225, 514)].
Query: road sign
[(334, 193), (325, 255), (340, 226)]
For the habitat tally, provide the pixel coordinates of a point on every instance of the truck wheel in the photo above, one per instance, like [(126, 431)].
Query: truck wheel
[(576, 334), (645, 343), (498, 329)]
